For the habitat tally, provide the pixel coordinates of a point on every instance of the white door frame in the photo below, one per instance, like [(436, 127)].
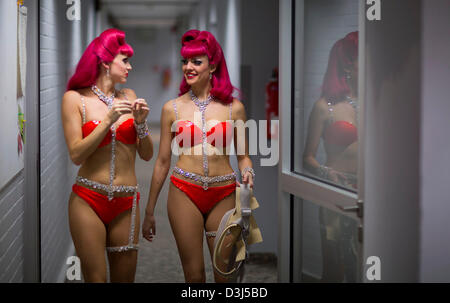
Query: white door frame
[(293, 184), (32, 231)]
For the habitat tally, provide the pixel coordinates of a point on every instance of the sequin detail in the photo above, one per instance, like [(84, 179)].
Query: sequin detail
[(205, 180)]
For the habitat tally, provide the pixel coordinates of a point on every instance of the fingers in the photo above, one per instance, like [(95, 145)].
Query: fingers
[(123, 110), (248, 179), (140, 110), (123, 107), (148, 235), (119, 108), (250, 183), (245, 178), (124, 103), (138, 103), (149, 231), (148, 238), (136, 106)]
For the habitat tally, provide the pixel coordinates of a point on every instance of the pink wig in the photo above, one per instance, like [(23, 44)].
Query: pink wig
[(197, 43), (104, 48), (342, 56)]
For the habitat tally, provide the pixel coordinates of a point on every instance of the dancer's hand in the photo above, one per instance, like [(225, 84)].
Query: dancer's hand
[(140, 110), (119, 108), (337, 177), (149, 228), (247, 178)]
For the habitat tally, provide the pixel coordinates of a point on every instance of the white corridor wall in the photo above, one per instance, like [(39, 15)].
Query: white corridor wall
[(61, 44)]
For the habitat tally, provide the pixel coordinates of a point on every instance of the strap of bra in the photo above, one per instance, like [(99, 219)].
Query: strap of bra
[(84, 109), (175, 109), (231, 109), (330, 110)]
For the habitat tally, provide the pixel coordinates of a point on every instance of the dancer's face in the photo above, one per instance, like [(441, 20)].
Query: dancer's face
[(196, 70), (119, 68), (354, 70), (354, 75)]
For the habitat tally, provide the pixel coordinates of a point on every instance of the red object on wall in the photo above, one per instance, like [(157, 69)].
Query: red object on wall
[(271, 100), (166, 78)]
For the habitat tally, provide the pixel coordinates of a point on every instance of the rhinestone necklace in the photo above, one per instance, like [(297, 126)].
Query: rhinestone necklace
[(352, 102), (201, 104), (103, 97), (109, 102), (355, 105), (202, 107)]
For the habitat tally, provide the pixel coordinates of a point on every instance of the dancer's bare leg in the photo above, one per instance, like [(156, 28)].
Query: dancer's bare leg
[(187, 222), (122, 265), (89, 237)]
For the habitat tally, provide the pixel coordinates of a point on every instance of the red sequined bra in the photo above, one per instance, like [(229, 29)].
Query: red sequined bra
[(188, 134), (125, 133)]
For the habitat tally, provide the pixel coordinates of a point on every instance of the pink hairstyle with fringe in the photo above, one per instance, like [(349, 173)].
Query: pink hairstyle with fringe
[(197, 43), (342, 56), (104, 48)]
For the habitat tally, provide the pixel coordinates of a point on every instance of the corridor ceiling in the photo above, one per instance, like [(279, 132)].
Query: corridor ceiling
[(147, 13)]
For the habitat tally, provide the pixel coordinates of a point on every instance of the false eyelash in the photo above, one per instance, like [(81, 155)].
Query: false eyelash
[(196, 62)]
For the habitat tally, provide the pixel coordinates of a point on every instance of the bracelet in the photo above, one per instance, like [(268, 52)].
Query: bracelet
[(250, 170), (141, 129), (323, 171)]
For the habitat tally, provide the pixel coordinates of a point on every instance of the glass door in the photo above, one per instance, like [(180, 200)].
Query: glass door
[(321, 142)]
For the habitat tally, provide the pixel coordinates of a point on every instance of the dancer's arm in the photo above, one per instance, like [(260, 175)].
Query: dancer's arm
[(316, 121), (160, 171), (140, 113), (81, 148), (242, 157)]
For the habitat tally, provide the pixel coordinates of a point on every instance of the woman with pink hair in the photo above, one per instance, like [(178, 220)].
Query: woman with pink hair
[(203, 183), (104, 128), (334, 118)]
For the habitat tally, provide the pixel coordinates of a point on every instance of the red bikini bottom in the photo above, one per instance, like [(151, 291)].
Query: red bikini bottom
[(105, 209), (203, 199)]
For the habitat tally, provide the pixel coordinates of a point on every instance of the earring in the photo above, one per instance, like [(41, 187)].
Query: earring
[(107, 73), (210, 76)]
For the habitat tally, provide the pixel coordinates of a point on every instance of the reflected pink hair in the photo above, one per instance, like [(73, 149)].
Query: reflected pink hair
[(104, 48), (197, 43), (342, 56)]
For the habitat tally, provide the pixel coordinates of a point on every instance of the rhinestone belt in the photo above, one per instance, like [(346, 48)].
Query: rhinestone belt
[(118, 189), (108, 188), (204, 179)]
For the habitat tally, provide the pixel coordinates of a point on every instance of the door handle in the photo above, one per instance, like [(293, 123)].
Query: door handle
[(358, 208)]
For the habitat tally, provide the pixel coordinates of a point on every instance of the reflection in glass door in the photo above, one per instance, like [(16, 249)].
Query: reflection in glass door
[(326, 91), (331, 246), (323, 175)]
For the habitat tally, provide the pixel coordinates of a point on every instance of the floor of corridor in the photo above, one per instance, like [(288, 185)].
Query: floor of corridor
[(158, 261)]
